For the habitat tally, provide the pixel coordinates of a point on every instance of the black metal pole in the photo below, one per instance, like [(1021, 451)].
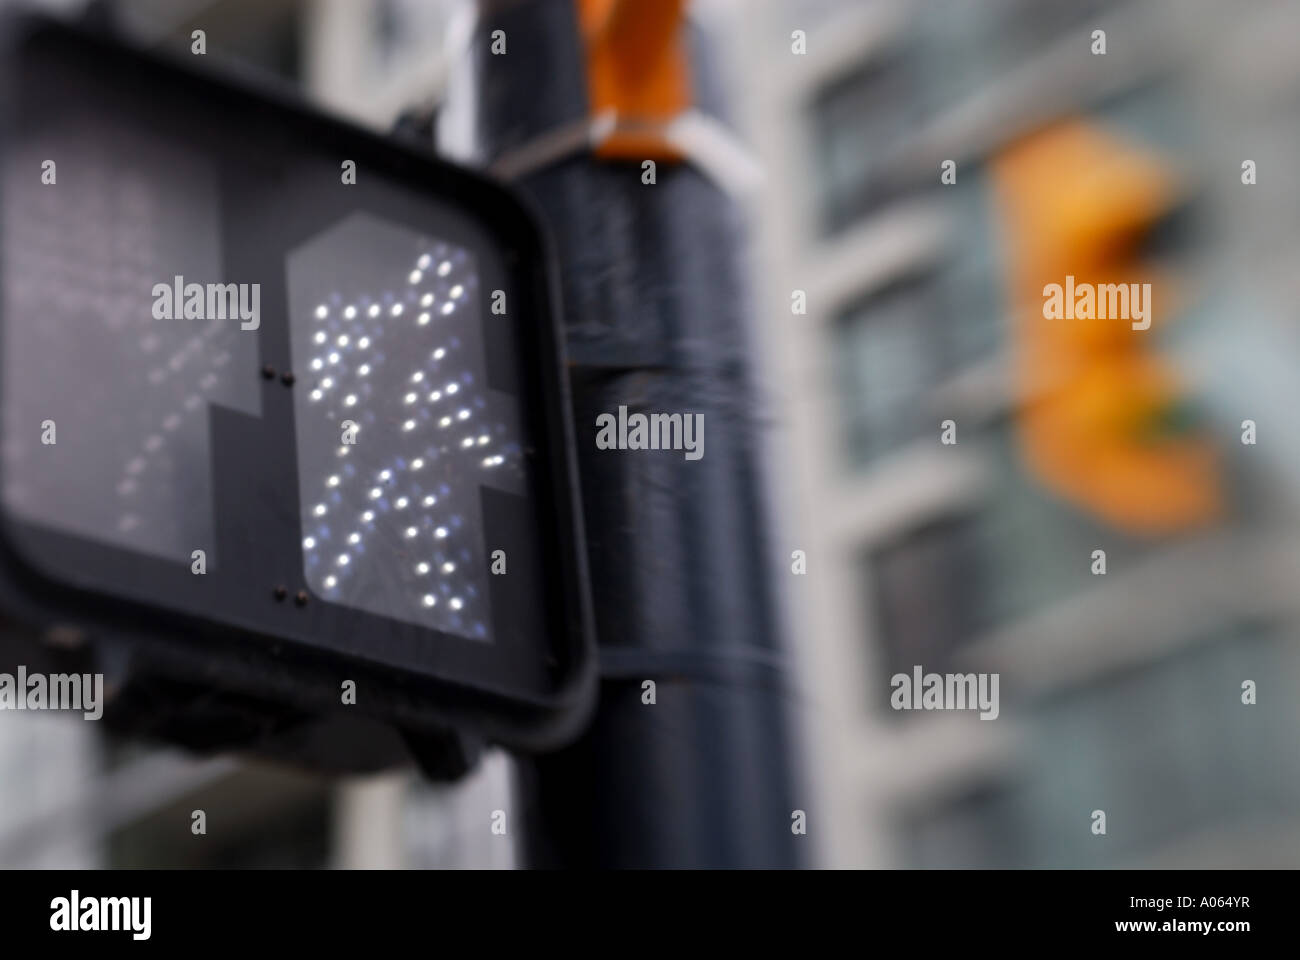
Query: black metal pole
[(682, 569)]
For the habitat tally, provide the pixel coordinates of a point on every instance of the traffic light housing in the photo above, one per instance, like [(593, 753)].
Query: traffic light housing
[(283, 408), (637, 74), (1103, 421)]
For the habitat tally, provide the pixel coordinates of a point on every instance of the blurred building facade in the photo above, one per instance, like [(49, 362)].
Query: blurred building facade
[(1119, 692)]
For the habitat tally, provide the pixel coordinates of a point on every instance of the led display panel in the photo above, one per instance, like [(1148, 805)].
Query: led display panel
[(273, 388)]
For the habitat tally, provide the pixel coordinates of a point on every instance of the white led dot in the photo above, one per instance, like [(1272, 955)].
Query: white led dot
[(417, 376), (430, 599), (401, 503), (322, 312), (448, 307), (416, 276), (342, 340), (397, 310), (421, 568), (430, 500), (449, 567), (316, 394), (410, 398), (350, 312), (364, 343), (424, 319), (330, 582), (462, 415), (457, 290), (435, 396), (445, 422), (453, 387), (385, 474), (440, 533), (327, 382), (424, 261), (368, 516), (467, 442), (350, 400), (456, 603), (409, 425), (426, 300), (320, 510), (354, 538), (417, 463), (309, 543), (344, 559), (364, 369), (320, 336), (374, 310), (483, 440), (334, 358), (439, 353), (375, 493), (411, 532), (333, 481), (444, 268), (317, 363)]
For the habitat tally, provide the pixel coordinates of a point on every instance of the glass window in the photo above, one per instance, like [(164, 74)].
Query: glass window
[(888, 354), (895, 346), (927, 587), (1036, 549), (965, 46), (945, 583), (1166, 749), (969, 295), (976, 828), (854, 119)]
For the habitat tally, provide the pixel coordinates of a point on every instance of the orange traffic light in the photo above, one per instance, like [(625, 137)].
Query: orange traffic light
[(637, 73), (1101, 418)]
